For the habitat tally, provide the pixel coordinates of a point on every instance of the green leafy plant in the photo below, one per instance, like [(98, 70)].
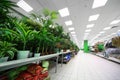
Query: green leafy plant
[(37, 40), (7, 49), (21, 33), (45, 39), (5, 8), (32, 23)]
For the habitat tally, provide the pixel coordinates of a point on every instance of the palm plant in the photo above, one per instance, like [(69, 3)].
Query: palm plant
[(5, 8), (44, 21), (21, 33), (37, 40), (33, 23), (7, 49), (45, 39), (6, 36), (49, 42)]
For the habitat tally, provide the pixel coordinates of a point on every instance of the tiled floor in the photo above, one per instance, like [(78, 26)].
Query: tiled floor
[(87, 67)]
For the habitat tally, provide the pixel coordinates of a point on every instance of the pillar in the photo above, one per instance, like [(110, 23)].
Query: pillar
[(86, 50)]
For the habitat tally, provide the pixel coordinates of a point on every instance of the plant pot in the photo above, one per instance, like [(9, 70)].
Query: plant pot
[(22, 54), (37, 55), (64, 50), (45, 64), (68, 50), (30, 54), (3, 59)]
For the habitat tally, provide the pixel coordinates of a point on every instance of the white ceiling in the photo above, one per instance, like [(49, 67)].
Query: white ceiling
[(80, 10)]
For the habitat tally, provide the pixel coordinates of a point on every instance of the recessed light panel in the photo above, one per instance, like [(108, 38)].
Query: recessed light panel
[(74, 35), (93, 17), (90, 25), (99, 3), (98, 34), (113, 33), (115, 22), (102, 32), (24, 6), (88, 30), (73, 32), (86, 33), (64, 12), (71, 28), (68, 23), (107, 28)]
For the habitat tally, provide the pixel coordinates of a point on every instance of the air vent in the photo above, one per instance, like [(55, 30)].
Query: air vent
[(114, 27)]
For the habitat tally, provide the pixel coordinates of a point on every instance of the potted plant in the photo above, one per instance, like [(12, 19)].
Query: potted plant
[(37, 40), (23, 35), (5, 9), (116, 41), (7, 50)]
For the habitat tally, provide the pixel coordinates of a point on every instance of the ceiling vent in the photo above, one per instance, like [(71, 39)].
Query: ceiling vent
[(114, 27)]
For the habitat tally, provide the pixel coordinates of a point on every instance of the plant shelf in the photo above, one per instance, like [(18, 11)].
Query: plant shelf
[(17, 63)]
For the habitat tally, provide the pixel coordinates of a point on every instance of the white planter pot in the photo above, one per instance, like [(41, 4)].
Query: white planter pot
[(22, 54), (37, 55), (3, 59), (30, 54)]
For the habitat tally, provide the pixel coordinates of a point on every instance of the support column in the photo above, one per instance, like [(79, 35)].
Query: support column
[(86, 50)]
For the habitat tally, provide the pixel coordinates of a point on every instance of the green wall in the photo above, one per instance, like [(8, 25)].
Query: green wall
[(86, 50)]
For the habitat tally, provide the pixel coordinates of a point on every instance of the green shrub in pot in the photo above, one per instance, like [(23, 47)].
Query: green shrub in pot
[(6, 6), (23, 35), (7, 50), (37, 40)]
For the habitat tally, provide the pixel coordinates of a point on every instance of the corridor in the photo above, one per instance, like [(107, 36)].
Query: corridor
[(87, 67)]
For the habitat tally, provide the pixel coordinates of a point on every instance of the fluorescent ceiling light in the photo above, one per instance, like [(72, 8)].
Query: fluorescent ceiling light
[(86, 33), (113, 33), (115, 22), (70, 29), (88, 30), (98, 34), (118, 30), (64, 12), (90, 25), (102, 32), (99, 3), (107, 28), (74, 35), (73, 32), (24, 6), (93, 17), (75, 38), (68, 23)]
